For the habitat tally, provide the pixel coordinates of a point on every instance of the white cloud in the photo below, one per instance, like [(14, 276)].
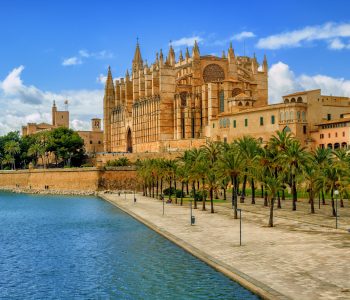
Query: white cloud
[(21, 103), (282, 81), (297, 38), (187, 41), (80, 125), (101, 78), (84, 54), (72, 61), (243, 35), (337, 44)]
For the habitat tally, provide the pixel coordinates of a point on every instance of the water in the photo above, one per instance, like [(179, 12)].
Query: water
[(56, 247)]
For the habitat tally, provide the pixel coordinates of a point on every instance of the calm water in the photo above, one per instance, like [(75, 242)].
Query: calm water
[(85, 248)]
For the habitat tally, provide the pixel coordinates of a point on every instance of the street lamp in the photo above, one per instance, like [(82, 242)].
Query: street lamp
[(336, 193)]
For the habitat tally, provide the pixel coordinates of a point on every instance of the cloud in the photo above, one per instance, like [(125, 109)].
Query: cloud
[(101, 78), (282, 81), (84, 54), (72, 61), (243, 35), (187, 41), (297, 38), (80, 125), (21, 103), (338, 44)]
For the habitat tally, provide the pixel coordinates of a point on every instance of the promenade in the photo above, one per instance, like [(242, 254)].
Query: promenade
[(294, 260)]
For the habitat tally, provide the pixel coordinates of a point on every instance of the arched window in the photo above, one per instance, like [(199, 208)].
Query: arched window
[(300, 99), (222, 101), (282, 116), (286, 100), (336, 146), (344, 145), (292, 100), (240, 103), (183, 97), (247, 103), (303, 116), (330, 146), (236, 92)]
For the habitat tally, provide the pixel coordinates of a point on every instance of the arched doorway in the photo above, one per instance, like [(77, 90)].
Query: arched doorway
[(129, 141)]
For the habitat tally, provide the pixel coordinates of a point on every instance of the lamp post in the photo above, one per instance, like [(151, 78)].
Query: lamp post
[(162, 197), (336, 193)]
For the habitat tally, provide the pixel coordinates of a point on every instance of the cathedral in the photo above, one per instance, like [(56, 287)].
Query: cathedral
[(171, 103), (175, 104)]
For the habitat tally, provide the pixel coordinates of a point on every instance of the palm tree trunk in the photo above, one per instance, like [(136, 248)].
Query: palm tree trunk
[(262, 191), (152, 188), (243, 188), (294, 192), (157, 187), (211, 201), (182, 193), (233, 193), (341, 201), (323, 199), (278, 200), (283, 195), (235, 197), (203, 200), (311, 199), (253, 190), (170, 188), (194, 195), (265, 199), (161, 186), (225, 194), (175, 191), (187, 192), (333, 208), (271, 211)]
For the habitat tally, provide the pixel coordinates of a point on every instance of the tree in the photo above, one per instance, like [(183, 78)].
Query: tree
[(11, 148), (232, 165)]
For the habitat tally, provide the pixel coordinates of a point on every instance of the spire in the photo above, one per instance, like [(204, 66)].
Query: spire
[(181, 58), (161, 58), (187, 55), (231, 53), (195, 51), (137, 61), (223, 54), (171, 55), (264, 66), (54, 103), (254, 64), (127, 76), (109, 82)]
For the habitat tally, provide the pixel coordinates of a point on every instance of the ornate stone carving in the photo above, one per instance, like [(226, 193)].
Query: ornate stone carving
[(213, 73)]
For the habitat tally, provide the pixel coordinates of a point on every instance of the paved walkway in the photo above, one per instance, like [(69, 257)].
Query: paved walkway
[(298, 260)]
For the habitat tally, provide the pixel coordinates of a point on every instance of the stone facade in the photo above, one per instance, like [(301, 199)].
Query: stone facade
[(59, 119), (93, 139), (173, 105)]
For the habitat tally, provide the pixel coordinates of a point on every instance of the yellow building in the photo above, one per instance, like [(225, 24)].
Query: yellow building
[(93, 139), (174, 104), (59, 119)]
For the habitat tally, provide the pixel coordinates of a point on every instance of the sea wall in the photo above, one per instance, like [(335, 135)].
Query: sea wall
[(85, 179)]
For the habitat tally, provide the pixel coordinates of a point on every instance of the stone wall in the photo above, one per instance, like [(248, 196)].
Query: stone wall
[(85, 179)]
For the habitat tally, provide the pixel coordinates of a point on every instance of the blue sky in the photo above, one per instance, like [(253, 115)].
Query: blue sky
[(61, 49)]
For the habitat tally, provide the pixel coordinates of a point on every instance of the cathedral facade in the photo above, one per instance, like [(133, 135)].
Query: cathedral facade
[(175, 104), (171, 103)]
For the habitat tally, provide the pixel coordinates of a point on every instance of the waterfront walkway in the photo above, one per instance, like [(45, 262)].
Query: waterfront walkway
[(294, 260)]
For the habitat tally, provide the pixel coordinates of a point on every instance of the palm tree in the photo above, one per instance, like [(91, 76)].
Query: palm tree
[(273, 185), (232, 165), (248, 146), (342, 163), (294, 158), (323, 158), (310, 173), (12, 148)]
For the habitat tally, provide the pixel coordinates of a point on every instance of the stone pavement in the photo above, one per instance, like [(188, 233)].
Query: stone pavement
[(298, 260)]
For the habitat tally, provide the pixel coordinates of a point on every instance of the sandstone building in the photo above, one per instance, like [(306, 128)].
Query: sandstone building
[(93, 139), (174, 104)]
